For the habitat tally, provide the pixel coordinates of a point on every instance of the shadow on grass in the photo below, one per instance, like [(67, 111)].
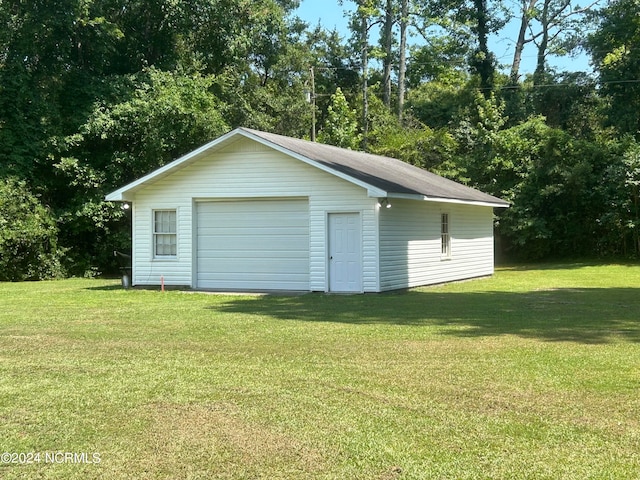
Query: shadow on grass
[(590, 315), (153, 288), (105, 288), (569, 265)]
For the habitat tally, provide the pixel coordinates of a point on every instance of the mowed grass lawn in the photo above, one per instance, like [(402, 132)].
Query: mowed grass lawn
[(533, 373)]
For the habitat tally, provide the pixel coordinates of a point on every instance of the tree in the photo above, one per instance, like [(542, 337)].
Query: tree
[(387, 44), (569, 101), (160, 117), (28, 235), (482, 61), (552, 179), (469, 23), (419, 145), (620, 223), (526, 14), (442, 102), (269, 94), (560, 24), (334, 65), (442, 59), (49, 53), (361, 22), (613, 48), (341, 126)]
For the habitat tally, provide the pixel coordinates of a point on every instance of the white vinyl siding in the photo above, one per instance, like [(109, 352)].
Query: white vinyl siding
[(411, 243), (247, 170)]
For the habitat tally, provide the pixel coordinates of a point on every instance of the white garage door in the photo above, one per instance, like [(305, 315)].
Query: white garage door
[(253, 244)]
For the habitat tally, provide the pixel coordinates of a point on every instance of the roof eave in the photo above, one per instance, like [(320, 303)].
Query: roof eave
[(117, 196), (427, 198), (124, 194)]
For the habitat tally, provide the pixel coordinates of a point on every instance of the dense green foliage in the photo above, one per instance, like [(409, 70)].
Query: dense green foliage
[(96, 93), (28, 236), (341, 125)]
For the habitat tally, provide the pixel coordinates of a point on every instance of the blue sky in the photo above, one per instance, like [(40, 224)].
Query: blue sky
[(328, 12), (331, 15)]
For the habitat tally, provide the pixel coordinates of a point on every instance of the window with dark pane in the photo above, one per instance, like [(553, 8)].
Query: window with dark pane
[(445, 236)]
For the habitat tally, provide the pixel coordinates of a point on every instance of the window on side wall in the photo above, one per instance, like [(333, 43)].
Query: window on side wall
[(445, 236), (165, 237)]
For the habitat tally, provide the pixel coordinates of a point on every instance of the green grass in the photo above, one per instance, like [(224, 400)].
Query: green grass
[(534, 373)]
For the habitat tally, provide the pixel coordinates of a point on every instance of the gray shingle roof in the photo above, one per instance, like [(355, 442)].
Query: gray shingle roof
[(389, 174)]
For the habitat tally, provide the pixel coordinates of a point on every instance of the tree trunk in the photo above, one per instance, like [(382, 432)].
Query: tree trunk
[(544, 43), (527, 7), (402, 70), (388, 53), (365, 94), (483, 63)]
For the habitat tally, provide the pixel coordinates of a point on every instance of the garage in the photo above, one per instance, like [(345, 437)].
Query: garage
[(253, 210), (260, 244)]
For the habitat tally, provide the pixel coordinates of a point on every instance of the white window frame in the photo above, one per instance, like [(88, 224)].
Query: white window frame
[(168, 232), (445, 235)]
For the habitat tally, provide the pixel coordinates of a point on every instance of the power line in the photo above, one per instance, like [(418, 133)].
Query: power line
[(512, 87)]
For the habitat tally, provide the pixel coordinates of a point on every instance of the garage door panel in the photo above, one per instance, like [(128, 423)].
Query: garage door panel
[(260, 222), (286, 218), (253, 244), (284, 255), (277, 266), (238, 278), (256, 234), (244, 284), (233, 245), (268, 208)]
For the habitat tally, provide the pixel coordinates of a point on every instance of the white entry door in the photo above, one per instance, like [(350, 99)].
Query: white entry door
[(345, 252)]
